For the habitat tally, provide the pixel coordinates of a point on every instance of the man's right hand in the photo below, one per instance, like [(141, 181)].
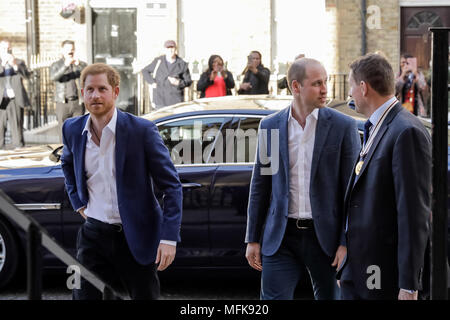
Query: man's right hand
[(81, 212), (253, 255), (246, 86)]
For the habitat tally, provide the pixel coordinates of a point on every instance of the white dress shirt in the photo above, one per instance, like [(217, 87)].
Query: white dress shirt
[(301, 148), (100, 169)]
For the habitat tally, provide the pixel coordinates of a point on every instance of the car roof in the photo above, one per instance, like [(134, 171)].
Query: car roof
[(248, 104), (256, 104)]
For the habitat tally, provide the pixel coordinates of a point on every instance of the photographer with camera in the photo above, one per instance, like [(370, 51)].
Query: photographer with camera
[(66, 74), (13, 96), (256, 76), (410, 87)]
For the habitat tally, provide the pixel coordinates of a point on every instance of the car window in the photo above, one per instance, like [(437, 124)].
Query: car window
[(194, 140), (241, 140)]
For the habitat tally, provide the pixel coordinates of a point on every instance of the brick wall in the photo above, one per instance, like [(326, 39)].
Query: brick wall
[(248, 27), (383, 33), (53, 29), (13, 25)]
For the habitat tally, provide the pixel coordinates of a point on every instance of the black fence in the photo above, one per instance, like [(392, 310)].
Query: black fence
[(37, 237), (41, 90)]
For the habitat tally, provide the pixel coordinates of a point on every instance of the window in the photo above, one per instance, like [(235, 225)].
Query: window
[(241, 140), (424, 17), (195, 140)]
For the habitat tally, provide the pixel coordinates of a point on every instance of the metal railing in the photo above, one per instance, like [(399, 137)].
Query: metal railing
[(41, 90), (37, 237), (337, 89)]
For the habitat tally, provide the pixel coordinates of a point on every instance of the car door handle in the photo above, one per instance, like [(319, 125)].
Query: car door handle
[(191, 185), (38, 206)]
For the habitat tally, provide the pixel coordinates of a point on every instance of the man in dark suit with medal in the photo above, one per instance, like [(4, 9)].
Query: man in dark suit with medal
[(388, 198)]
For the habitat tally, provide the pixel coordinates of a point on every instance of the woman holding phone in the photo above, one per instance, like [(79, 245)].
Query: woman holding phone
[(216, 81), (256, 76), (411, 87)]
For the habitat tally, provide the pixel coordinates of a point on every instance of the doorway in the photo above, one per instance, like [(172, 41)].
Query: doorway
[(415, 37), (114, 43)]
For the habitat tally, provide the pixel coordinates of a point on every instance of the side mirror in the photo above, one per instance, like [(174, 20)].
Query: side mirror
[(55, 156)]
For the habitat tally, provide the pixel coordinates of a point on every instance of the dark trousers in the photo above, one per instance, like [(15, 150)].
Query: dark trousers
[(281, 271), (13, 114), (72, 108), (103, 249), (348, 291)]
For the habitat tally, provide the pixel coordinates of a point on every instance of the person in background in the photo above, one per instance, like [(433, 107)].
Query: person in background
[(411, 88), (169, 75), (13, 96), (282, 83), (256, 76), (66, 74), (216, 81)]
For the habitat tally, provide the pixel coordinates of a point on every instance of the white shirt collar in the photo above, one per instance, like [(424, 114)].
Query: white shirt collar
[(111, 124), (314, 113), (379, 112)]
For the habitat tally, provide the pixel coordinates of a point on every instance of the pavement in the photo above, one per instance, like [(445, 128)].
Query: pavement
[(47, 134)]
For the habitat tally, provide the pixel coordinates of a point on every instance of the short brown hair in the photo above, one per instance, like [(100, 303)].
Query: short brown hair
[(100, 68), (71, 42), (376, 71), (297, 71)]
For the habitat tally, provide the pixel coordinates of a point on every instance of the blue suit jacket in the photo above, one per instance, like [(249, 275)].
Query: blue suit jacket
[(389, 207), (336, 147), (141, 160)]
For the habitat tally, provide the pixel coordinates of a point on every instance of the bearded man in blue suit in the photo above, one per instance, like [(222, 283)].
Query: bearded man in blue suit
[(110, 161), (295, 217)]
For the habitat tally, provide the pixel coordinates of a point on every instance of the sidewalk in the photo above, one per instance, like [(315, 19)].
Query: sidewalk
[(47, 134)]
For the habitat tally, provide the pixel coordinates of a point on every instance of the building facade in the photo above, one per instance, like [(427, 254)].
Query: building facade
[(130, 34)]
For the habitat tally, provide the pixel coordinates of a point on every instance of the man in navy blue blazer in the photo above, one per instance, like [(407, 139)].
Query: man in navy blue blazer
[(388, 200), (295, 217), (110, 161)]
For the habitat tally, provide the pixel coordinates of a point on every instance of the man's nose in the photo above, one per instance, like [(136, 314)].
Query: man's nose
[(95, 93)]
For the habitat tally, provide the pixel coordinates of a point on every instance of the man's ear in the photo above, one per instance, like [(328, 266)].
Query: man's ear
[(295, 85), (116, 92), (363, 86)]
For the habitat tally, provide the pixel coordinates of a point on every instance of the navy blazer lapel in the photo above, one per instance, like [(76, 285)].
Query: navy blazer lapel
[(322, 128), (283, 136), (384, 127), (121, 143)]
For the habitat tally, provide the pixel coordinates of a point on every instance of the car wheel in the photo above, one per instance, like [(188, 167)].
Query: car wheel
[(9, 255)]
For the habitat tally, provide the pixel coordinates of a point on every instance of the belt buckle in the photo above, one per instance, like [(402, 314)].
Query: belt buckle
[(119, 226), (298, 227)]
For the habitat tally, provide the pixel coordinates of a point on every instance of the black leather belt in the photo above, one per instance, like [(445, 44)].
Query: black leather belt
[(116, 227), (302, 224)]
